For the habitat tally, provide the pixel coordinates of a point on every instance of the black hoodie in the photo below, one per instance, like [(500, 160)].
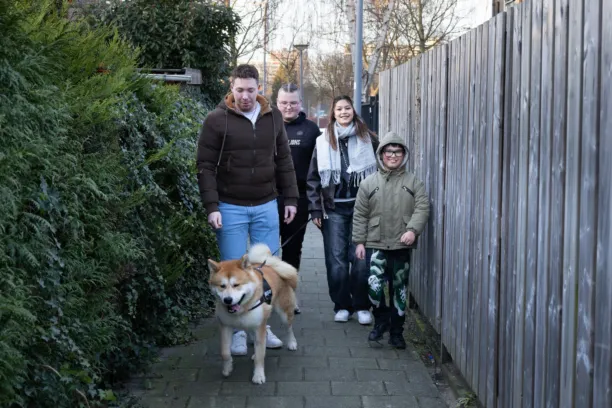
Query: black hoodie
[(302, 134)]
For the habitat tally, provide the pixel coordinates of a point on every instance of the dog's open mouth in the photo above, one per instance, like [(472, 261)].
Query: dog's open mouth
[(233, 308)]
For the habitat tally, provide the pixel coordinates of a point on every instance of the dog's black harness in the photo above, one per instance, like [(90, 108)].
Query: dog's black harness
[(266, 297)]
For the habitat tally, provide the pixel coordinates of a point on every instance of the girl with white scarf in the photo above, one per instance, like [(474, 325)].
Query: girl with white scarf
[(343, 157)]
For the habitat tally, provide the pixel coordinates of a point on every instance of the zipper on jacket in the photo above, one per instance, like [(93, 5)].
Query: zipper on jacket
[(372, 193), (254, 150), (408, 190)]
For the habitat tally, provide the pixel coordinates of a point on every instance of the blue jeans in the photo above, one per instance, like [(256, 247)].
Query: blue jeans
[(347, 276), (240, 223)]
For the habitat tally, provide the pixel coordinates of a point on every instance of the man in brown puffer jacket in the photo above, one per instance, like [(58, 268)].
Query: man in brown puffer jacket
[(243, 152)]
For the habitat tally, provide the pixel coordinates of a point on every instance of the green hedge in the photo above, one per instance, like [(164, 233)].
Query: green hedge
[(103, 240)]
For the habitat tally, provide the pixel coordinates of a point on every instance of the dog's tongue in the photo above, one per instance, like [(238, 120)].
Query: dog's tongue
[(234, 308)]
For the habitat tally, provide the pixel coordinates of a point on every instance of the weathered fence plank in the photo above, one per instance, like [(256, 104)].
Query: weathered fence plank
[(588, 203), (602, 370), (559, 122), (572, 185), (543, 208), (522, 232), (495, 210), (509, 198)]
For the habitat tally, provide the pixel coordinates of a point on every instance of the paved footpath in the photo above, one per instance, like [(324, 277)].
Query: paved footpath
[(334, 367)]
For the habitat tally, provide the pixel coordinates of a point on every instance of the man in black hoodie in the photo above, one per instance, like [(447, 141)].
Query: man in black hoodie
[(302, 134)]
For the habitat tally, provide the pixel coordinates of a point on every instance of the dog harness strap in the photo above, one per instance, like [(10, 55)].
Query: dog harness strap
[(267, 290)]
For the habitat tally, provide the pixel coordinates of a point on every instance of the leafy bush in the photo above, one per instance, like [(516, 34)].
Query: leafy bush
[(176, 34), (103, 240)]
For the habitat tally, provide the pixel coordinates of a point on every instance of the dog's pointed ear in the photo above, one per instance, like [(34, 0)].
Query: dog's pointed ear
[(244, 262), (213, 266)]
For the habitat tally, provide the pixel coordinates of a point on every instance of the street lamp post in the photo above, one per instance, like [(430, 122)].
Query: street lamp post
[(358, 56), (301, 48)]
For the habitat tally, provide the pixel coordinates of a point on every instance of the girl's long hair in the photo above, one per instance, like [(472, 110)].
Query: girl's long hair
[(360, 126)]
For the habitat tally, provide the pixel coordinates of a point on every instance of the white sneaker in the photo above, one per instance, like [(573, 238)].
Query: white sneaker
[(272, 342), (239, 344), (342, 316), (364, 317)]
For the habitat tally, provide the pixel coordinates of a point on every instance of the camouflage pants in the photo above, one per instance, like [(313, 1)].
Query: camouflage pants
[(389, 273)]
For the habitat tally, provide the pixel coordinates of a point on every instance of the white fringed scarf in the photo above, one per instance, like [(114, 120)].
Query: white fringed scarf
[(362, 161)]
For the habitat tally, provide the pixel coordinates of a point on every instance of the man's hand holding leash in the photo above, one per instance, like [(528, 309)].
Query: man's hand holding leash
[(214, 219), (290, 212)]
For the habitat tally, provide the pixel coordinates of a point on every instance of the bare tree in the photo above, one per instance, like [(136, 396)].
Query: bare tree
[(382, 18), (332, 75), (258, 24), (426, 23)]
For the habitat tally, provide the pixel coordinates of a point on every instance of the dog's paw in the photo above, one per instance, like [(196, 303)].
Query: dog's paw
[(259, 377), (228, 367), (292, 345), (253, 357)]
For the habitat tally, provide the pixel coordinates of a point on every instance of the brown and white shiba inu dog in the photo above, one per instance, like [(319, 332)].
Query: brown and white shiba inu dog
[(242, 304)]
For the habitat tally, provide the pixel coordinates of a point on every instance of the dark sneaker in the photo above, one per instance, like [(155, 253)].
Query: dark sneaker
[(377, 332), (397, 341)]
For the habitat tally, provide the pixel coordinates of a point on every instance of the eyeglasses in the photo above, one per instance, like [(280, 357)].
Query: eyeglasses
[(285, 103), (393, 153)]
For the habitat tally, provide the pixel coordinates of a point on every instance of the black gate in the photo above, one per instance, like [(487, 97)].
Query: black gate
[(369, 113)]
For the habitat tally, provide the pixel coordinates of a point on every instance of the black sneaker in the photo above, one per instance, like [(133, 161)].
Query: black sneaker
[(397, 341), (377, 332)]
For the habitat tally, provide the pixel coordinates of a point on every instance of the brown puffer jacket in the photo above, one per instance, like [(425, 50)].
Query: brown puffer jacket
[(241, 164)]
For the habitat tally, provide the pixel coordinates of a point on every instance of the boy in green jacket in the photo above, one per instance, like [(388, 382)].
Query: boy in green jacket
[(391, 211)]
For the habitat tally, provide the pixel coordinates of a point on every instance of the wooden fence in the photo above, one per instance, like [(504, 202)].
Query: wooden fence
[(510, 128)]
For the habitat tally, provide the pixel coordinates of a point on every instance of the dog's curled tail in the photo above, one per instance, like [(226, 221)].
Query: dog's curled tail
[(260, 253)]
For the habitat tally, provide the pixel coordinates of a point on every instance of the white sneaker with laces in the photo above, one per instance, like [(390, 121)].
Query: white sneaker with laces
[(342, 316), (239, 343), (272, 342), (364, 317)]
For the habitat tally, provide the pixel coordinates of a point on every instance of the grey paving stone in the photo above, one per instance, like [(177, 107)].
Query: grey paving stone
[(390, 402), (217, 402), (380, 375), (311, 288), (346, 341), (150, 387), (327, 351), (163, 402), (358, 388), (304, 388), (425, 402), (193, 389), (303, 362), (275, 402), (307, 322), (407, 388), (248, 389), (372, 352), (399, 364), (352, 362), (295, 373), (329, 374), (333, 402)]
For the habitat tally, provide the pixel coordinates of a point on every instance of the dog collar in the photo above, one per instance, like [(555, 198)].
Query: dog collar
[(266, 297)]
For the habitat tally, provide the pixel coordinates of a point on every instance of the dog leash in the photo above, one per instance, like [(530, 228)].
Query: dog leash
[(292, 236)]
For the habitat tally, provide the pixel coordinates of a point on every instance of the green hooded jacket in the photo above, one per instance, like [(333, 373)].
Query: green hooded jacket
[(389, 203)]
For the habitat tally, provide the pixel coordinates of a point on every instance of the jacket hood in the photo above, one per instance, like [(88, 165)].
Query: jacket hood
[(391, 138), (301, 117), (229, 103)]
